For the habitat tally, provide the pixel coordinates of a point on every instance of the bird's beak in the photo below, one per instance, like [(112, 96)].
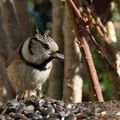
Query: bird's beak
[(58, 55)]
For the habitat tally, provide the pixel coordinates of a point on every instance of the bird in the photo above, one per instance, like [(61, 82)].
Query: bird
[(32, 65)]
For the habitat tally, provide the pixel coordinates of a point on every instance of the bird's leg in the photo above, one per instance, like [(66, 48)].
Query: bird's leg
[(24, 94), (39, 93)]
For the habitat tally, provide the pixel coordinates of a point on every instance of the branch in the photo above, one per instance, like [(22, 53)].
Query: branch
[(85, 50)]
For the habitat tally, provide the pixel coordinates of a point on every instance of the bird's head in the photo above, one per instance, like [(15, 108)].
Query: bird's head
[(39, 49)]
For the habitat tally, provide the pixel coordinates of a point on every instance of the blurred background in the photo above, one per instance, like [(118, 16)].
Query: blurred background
[(68, 80)]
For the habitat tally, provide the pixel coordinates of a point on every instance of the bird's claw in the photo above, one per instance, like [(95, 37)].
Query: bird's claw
[(24, 94)]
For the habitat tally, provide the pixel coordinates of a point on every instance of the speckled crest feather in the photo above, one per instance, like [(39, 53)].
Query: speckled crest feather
[(43, 37)]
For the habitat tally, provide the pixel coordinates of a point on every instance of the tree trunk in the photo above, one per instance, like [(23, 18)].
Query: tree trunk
[(6, 91), (10, 39), (56, 77), (114, 56), (72, 70), (10, 26), (3, 39), (23, 19)]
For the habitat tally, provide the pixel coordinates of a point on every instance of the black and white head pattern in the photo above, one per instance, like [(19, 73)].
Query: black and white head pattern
[(37, 50)]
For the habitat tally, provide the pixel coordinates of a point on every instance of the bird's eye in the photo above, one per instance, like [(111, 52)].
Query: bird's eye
[(46, 46)]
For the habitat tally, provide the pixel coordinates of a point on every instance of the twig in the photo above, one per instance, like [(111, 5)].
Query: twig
[(86, 28), (85, 52)]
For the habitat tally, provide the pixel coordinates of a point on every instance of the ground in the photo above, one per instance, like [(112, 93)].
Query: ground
[(46, 108)]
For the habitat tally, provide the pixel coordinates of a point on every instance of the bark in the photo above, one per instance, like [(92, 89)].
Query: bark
[(56, 77), (72, 78)]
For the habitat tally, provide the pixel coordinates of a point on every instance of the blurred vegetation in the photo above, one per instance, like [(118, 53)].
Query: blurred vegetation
[(116, 18), (40, 12)]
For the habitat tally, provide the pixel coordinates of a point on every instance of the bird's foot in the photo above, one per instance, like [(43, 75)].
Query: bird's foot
[(24, 94)]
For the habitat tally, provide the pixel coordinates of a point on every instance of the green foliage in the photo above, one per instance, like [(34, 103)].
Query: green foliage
[(103, 75), (116, 15), (106, 87)]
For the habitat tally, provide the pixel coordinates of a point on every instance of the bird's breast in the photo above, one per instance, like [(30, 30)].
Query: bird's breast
[(26, 77), (40, 76)]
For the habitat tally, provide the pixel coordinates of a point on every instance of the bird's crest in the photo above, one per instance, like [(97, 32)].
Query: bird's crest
[(41, 36)]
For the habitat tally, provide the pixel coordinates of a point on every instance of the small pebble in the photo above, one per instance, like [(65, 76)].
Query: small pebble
[(50, 109), (20, 116), (29, 109), (41, 102), (71, 116), (51, 100), (2, 117), (20, 108), (45, 108), (12, 114), (35, 116)]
